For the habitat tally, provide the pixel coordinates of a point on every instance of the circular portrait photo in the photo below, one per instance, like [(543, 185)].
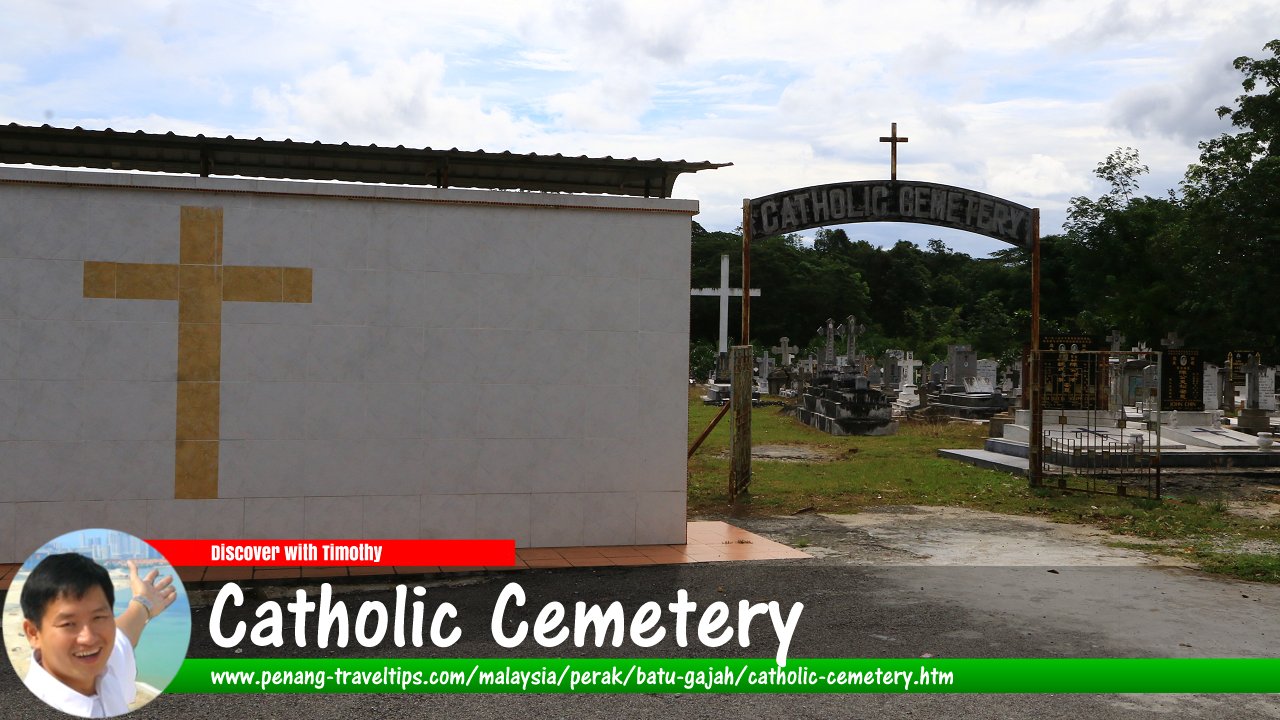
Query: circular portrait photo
[(96, 623)]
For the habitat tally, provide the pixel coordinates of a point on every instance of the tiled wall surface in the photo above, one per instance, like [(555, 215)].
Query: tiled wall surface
[(508, 369)]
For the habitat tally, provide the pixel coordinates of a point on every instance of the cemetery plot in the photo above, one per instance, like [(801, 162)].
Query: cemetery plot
[(1092, 447)]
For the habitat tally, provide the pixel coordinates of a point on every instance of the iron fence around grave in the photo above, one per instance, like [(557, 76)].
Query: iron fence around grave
[(1098, 434)]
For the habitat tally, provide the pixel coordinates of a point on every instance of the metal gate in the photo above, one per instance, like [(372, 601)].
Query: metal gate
[(1101, 423)]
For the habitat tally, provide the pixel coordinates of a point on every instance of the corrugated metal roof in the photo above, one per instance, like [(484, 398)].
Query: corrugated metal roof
[(200, 155)]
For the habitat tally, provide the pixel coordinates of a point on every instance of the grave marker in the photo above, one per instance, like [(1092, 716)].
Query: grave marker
[(1070, 380), (1182, 379), (724, 292), (829, 347), (784, 351), (851, 330), (1212, 387)]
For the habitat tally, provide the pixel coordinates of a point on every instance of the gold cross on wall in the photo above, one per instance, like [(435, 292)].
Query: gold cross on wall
[(893, 150), (200, 283)]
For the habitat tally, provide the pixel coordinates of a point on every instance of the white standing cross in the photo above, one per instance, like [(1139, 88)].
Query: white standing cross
[(724, 292), (907, 368), (784, 351)]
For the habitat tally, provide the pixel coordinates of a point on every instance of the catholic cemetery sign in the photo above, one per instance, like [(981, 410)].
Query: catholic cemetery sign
[(901, 201), (892, 201)]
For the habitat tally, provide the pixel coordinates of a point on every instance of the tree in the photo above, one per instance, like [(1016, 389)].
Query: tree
[(1120, 170), (835, 242), (1234, 213), (702, 359), (1228, 159)]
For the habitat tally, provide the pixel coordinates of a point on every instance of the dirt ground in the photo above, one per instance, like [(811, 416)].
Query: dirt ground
[(922, 535), (919, 535), (946, 536)]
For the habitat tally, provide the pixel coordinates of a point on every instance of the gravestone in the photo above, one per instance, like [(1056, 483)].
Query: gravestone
[(977, 396), (1236, 360), (1071, 379), (1252, 393), (1260, 388), (1132, 384), (1150, 387), (989, 370), (1212, 387), (938, 374), (764, 365), (907, 369), (828, 333), (1182, 376), (962, 364), (908, 397), (777, 380), (784, 351), (851, 330), (1267, 389), (1254, 417), (892, 368)]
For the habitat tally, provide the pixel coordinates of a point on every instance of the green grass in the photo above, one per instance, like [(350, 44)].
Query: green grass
[(904, 469), (1246, 566)]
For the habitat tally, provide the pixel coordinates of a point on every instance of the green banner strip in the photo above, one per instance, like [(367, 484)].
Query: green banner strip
[(854, 675)]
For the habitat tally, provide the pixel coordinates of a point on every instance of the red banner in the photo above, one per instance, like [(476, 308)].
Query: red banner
[(303, 553)]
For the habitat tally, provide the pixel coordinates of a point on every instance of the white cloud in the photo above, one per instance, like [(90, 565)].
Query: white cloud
[(613, 105), (10, 73), (1040, 176), (1017, 98), (397, 102)]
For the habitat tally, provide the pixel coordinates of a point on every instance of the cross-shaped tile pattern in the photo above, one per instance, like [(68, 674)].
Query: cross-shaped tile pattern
[(200, 283)]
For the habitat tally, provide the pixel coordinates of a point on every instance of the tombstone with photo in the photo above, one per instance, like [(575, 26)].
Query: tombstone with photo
[(1072, 378), (1182, 380)]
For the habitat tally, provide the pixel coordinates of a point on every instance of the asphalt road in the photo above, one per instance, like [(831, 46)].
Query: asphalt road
[(851, 611)]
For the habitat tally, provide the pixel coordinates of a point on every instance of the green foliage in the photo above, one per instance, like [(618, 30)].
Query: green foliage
[(906, 296), (702, 358)]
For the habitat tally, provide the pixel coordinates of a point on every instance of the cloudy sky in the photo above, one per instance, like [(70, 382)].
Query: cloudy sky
[(1018, 98)]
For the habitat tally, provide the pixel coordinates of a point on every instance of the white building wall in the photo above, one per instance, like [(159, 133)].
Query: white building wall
[(471, 364)]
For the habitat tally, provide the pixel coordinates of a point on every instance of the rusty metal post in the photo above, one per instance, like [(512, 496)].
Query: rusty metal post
[(1035, 454), (740, 439), (706, 433), (741, 361), (746, 273)]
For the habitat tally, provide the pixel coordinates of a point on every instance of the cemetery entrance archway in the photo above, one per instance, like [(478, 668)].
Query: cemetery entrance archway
[(896, 201)]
